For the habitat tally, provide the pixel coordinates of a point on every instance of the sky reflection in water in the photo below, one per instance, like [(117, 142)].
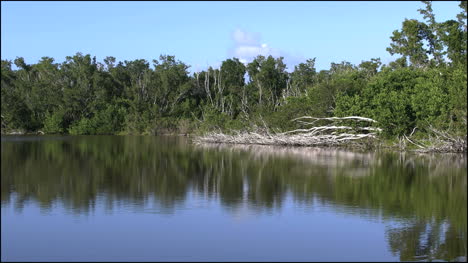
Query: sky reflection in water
[(137, 198)]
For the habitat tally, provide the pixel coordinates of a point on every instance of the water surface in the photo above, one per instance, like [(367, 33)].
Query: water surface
[(145, 198)]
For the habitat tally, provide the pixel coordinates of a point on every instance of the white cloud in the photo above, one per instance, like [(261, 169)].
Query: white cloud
[(248, 45), (245, 38), (244, 61)]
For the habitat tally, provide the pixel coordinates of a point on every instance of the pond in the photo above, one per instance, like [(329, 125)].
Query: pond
[(150, 198)]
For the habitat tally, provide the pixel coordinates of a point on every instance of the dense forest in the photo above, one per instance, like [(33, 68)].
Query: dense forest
[(426, 86)]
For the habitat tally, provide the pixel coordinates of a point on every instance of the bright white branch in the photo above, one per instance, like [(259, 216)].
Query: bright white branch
[(321, 135), (337, 118)]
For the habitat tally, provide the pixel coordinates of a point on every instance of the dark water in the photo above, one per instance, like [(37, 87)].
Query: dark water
[(163, 199)]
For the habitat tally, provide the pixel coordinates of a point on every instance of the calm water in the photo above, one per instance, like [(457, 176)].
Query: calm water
[(82, 198)]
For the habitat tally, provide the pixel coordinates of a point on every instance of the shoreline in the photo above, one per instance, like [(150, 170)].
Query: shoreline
[(375, 144), (365, 147)]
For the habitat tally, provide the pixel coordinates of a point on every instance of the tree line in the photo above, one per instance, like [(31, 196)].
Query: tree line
[(426, 86)]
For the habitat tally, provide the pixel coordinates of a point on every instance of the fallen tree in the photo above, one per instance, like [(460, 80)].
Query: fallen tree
[(330, 134), (437, 141)]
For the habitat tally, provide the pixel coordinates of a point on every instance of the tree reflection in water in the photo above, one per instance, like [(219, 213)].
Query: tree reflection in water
[(426, 192)]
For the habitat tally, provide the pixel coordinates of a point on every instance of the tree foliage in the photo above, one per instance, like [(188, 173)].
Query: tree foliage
[(425, 86)]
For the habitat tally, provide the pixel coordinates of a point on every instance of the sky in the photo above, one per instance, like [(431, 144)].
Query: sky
[(203, 34)]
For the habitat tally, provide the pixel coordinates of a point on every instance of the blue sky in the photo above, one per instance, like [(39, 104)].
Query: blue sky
[(206, 33)]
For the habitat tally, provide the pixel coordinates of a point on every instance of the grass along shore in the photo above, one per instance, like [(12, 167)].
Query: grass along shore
[(342, 132), (337, 134)]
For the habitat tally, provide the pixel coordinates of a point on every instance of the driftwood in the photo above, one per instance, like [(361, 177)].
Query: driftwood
[(438, 141), (329, 135)]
